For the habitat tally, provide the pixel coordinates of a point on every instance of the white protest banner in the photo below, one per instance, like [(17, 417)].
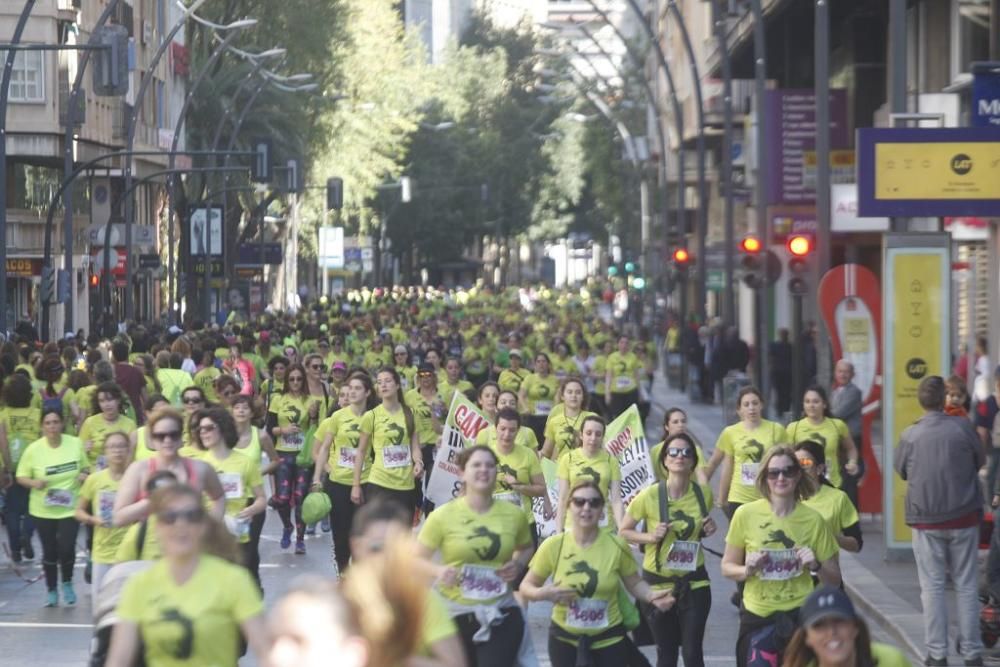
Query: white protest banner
[(463, 424), (626, 441), (547, 525)]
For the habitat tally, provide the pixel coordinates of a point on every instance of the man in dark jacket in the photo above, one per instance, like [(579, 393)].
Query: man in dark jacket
[(940, 457)]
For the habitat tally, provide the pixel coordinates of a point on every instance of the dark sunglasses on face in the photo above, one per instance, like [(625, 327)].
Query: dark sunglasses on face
[(318, 367), (193, 515), (788, 472), (680, 452), (295, 379), (164, 435), (595, 503), (192, 401)]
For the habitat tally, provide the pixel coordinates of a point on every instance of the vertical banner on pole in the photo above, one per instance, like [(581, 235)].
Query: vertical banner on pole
[(917, 344)]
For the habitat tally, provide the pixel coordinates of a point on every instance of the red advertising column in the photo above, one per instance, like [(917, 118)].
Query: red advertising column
[(850, 301)]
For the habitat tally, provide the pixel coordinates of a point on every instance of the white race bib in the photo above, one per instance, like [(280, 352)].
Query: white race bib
[(58, 498), (780, 565), (543, 407), (345, 457), (294, 440), (587, 614), (623, 382), (481, 583), (748, 473), (510, 496), (396, 456), (232, 485), (105, 506), (683, 556)]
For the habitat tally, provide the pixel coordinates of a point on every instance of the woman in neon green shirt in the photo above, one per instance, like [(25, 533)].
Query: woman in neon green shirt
[(744, 444), (832, 503), (107, 418), (563, 426), (389, 430), (54, 468), (774, 546), (190, 607), (20, 425), (820, 426), (537, 395), (591, 461)]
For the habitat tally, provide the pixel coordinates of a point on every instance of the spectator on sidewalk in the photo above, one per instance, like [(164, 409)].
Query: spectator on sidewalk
[(780, 362), (845, 404), (940, 457), (957, 402)]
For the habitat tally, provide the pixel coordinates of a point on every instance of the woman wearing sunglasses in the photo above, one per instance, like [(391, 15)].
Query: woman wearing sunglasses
[(407, 371), (833, 504), (288, 421), (774, 545), (676, 516), (53, 468), (214, 431), (674, 423), (193, 605), (141, 445), (591, 461), (193, 399), (338, 437), (587, 566), (485, 546), (107, 418), (166, 433), (323, 399)]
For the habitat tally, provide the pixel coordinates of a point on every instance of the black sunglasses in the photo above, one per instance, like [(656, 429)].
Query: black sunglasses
[(680, 452), (160, 437), (193, 515), (595, 503), (789, 472), (193, 401)]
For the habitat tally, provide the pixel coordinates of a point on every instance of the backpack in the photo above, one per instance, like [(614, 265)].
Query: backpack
[(52, 402)]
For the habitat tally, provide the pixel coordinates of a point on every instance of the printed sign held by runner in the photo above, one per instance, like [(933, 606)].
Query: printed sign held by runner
[(626, 441), (464, 423), (547, 525)]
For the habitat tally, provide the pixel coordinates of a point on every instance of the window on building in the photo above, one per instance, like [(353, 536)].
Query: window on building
[(970, 33), (161, 104), (27, 80)]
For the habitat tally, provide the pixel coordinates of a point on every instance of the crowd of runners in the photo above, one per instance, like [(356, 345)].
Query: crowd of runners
[(167, 447)]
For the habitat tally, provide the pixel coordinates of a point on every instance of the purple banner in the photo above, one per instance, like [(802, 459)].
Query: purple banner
[(791, 131)]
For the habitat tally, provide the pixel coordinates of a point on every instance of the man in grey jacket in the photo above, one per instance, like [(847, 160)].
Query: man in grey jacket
[(940, 457)]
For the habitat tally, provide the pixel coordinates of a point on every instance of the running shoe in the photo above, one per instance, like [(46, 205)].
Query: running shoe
[(27, 549), (325, 525), (286, 538), (300, 547), (69, 595), (52, 599), (311, 529)]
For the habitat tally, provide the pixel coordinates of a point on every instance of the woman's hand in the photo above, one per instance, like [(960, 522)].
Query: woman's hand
[(450, 576), (662, 600), (357, 496), (418, 468), (557, 594), (510, 570), (851, 468), (755, 561), (807, 558), (659, 532), (708, 526)]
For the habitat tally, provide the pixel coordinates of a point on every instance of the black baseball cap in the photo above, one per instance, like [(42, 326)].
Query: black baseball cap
[(825, 603)]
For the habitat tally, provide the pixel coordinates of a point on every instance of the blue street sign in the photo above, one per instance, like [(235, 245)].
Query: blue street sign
[(986, 94)]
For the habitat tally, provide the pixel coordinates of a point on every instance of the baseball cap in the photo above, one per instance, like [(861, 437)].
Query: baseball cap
[(400, 349), (515, 353), (824, 603), (425, 368), (339, 366)]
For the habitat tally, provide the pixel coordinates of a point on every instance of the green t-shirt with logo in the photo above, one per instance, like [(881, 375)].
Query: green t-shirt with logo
[(389, 439), (747, 448), (60, 467)]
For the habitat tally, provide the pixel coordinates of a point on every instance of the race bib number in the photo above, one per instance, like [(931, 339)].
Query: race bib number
[(623, 382), (543, 407), (683, 556), (345, 457), (232, 485), (510, 497), (58, 498), (587, 614), (481, 583), (105, 506), (396, 456), (780, 565), (748, 473), (294, 440)]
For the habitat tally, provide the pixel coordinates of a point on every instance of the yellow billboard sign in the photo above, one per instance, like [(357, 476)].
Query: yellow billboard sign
[(937, 170)]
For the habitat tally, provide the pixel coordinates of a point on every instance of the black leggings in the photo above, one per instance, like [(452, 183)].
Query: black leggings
[(20, 525), (58, 538), (683, 627), (505, 639), (563, 654), (291, 484), (341, 518), (406, 499), (427, 451), (251, 549)]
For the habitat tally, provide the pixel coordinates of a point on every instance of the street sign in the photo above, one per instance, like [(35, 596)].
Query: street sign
[(986, 94), (149, 261), (715, 281), (205, 231), (331, 247), (142, 235), (218, 270), (253, 253), (24, 267)]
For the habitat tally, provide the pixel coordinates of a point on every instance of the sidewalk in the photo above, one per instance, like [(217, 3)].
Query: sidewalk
[(888, 593)]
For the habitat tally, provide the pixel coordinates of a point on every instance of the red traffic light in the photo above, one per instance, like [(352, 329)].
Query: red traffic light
[(681, 256), (751, 245), (800, 246), (94, 280)]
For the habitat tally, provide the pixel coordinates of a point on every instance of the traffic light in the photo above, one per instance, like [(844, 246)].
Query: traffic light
[(95, 281), (612, 271), (111, 62), (64, 286), (260, 164), (334, 194), (753, 263), (681, 264), (800, 265), (48, 289), (629, 267), (295, 175)]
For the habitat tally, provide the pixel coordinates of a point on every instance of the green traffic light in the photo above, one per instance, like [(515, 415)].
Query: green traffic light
[(612, 271), (629, 267), (639, 283)]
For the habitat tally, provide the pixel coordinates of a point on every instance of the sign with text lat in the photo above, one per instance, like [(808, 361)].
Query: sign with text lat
[(918, 172), (917, 319)]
